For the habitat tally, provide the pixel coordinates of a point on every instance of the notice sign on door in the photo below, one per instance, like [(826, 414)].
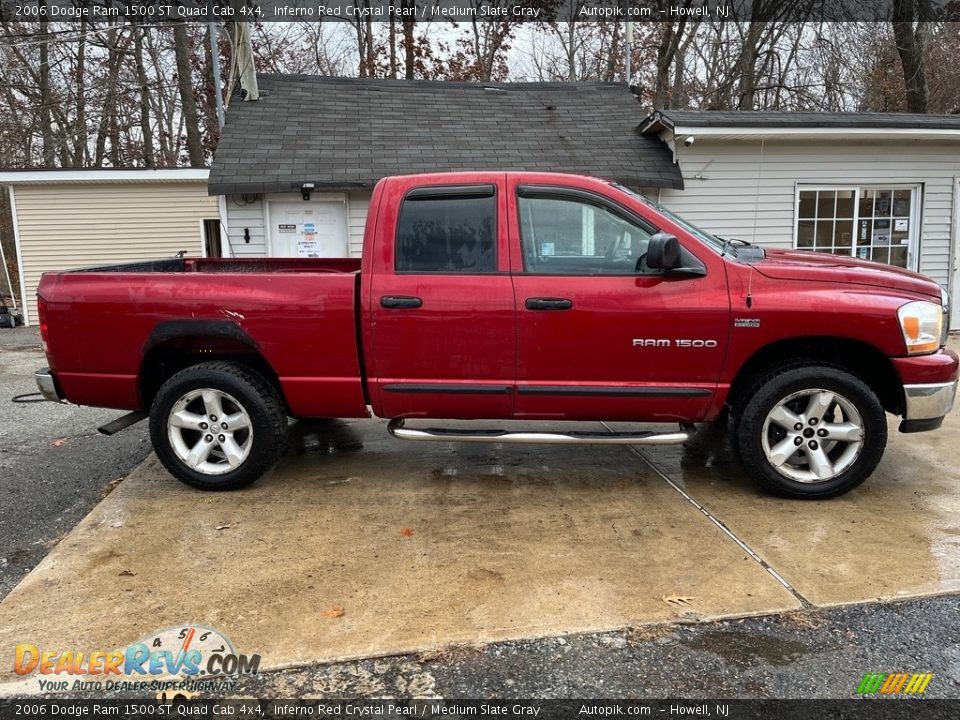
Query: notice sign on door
[(288, 228)]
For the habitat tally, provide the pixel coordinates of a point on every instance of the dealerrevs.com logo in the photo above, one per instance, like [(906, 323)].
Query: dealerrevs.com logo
[(894, 683), (186, 652)]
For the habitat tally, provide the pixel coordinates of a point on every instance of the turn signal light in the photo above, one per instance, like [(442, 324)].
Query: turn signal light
[(922, 325)]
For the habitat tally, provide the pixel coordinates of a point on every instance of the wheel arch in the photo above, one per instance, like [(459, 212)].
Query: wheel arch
[(861, 359), (175, 345)]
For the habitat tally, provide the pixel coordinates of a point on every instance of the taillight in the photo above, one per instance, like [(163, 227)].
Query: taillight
[(42, 314)]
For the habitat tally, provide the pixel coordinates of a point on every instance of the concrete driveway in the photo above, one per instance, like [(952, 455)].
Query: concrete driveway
[(359, 545)]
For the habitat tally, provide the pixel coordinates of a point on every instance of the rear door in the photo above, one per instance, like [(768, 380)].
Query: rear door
[(441, 301), (601, 336)]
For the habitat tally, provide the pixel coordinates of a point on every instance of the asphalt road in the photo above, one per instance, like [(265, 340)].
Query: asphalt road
[(54, 466), (819, 654)]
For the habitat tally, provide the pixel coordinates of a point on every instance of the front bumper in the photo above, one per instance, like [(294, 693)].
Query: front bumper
[(926, 404), (48, 385)]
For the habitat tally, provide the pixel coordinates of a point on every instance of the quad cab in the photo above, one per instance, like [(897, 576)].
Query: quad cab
[(510, 296)]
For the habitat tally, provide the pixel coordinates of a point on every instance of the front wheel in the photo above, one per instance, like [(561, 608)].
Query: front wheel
[(810, 431), (217, 426)]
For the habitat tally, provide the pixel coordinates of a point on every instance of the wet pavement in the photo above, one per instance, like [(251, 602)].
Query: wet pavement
[(54, 465), (394, 548), (362, 546)]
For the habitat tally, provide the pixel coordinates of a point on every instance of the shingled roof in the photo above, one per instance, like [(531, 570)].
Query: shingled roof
[(668, 119), (340, 133)]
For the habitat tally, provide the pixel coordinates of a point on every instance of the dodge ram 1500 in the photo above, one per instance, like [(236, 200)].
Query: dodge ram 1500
[(521, 296)]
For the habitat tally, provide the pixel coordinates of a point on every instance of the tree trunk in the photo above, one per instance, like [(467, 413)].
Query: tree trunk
[(145, 129), (187, 101), (392, 41), (613, 59), (80, 121), (911, 44), (747, 66), (46, 98), (409, 57), (109, 104)]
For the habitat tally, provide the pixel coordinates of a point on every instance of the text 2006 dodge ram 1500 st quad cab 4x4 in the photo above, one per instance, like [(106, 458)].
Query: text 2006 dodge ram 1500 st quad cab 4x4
[(523, 296)]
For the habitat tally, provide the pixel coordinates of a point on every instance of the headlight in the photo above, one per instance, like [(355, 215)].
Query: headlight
[(921, 323)]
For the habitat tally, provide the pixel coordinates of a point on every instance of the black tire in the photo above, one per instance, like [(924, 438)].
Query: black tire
[(848, 462), (236, 387)]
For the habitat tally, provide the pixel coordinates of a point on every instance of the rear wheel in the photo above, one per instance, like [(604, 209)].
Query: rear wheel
[(217, 426), (810, 431)]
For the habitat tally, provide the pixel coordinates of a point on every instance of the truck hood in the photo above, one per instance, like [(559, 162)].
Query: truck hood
[(822, 267)]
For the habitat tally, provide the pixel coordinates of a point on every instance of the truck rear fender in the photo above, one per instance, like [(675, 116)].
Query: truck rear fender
[(177, 344)]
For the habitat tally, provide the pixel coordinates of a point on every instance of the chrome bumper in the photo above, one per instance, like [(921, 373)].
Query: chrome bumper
[(925, 402), (47, 385)]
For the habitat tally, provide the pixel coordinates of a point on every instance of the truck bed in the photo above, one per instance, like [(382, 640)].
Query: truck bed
[(298, 314), (232, 265)]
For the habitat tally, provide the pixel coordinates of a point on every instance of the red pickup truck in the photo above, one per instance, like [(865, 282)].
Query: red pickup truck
[(521, 296)]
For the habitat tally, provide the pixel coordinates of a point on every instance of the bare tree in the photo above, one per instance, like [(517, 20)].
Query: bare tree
[(187, 102), (911, 29), (146, 130)]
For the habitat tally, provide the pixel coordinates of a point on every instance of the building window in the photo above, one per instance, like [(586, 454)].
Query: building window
[(869, 223), (447, 230)]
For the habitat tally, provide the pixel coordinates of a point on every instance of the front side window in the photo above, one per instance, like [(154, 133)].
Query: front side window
[(566, 236), (864, 222), (447, 232)]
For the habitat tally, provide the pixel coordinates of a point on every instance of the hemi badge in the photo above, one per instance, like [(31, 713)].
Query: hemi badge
[(746, 322)]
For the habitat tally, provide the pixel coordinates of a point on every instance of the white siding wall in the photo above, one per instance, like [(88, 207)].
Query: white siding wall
[(357, 205), (61, 227), (732, 192), (246, 214), (252, 216)]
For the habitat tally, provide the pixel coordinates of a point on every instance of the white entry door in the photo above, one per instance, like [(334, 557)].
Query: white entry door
[(312, 228)]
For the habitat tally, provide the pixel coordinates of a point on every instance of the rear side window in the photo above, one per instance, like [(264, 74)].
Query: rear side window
[(447, 230)]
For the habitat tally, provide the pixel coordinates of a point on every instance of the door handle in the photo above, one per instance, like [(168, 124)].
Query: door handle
[(548, 304), (400, 301)]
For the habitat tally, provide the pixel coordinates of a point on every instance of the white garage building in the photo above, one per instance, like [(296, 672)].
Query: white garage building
[(64, 219)]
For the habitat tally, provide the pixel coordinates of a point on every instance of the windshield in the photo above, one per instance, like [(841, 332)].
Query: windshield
[(711, 240)]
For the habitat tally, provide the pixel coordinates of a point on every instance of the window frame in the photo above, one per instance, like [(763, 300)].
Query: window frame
[(559, 192), (450, 192), (916, 204)]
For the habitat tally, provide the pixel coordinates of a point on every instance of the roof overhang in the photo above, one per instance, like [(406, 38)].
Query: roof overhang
[(96, 176), (662, 125), (813, 133)]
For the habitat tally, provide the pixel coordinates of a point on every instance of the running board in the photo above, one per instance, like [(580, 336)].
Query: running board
[(122, 423), (397, 429)]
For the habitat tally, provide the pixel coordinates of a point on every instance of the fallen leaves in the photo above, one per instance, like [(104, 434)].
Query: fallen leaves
[(407, 532), (678, 600), (127, 573), (334, 612), (448, 654), (801, 620)]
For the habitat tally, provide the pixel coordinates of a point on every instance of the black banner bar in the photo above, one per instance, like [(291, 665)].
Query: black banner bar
[(165, 11), (272, 709)]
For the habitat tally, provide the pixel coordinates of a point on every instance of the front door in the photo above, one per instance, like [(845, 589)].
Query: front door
[(312, 228), (441, 303), (600, 335)]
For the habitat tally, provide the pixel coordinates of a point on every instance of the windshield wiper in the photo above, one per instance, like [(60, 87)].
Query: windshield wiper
[(728, 244)]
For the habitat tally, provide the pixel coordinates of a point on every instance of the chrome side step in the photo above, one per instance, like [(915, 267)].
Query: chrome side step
[(397, 429)]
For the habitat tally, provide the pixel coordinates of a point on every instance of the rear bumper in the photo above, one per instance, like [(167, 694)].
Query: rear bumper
[(48, 385)]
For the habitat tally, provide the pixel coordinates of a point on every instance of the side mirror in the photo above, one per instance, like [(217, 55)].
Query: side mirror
[(663, 252)]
